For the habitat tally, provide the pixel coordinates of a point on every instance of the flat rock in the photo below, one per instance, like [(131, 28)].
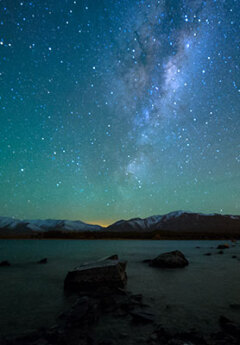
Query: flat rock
[(174, 259), (101, 274)]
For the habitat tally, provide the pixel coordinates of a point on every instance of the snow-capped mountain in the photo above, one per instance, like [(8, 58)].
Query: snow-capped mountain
[(179, 221), (45, 225)]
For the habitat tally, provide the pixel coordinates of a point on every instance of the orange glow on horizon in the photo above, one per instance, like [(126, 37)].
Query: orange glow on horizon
[(103, 223)]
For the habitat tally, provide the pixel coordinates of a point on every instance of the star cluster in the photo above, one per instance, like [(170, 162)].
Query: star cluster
[(116, 109)]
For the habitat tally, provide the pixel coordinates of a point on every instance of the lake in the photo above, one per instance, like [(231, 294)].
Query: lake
[(31, 295)]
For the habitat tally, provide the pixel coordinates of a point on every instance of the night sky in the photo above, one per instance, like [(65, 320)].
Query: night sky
[(117, 109)]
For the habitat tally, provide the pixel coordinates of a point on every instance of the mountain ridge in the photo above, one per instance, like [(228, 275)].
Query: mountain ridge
[(177, 221)]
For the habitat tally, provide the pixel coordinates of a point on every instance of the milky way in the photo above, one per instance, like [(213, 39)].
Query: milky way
[(116, 109)]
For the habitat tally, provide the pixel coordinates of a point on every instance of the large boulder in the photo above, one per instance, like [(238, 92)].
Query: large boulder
[(100, 274), (173, 259)]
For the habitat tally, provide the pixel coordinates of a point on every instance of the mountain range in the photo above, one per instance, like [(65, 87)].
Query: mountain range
[(177, 222)]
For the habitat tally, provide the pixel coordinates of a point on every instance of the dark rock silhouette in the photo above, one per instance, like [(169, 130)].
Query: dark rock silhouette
[(142, 317), (43, 261), (229, 327), (223, 246), (100, 274), (175, 259)]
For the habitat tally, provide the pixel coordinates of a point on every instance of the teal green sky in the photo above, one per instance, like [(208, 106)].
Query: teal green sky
[(118, 109)]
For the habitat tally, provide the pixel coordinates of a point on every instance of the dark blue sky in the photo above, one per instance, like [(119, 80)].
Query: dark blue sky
[(116, 109)]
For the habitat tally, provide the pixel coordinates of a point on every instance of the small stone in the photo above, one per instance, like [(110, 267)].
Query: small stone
[(43, 261), (235, 306), (229, 327), (5, 263), (223, 246)]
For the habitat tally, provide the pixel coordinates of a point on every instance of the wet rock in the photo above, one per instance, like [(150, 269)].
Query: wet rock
[(110, 303), (142, 317), (235, 306), (30, 337), (191, 338), (223, 246), (234, 257), (147, 261), (208, 254), (112, 257), (5, 263), (160, 336), (221, 252), (107, 342), (229, 327), (174, 259), (137, 298), (79, 309), (101, 274), (123, 335), (43, 261), (40, 342)]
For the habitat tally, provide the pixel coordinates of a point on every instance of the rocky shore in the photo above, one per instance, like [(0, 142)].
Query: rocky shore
[(105, 313)]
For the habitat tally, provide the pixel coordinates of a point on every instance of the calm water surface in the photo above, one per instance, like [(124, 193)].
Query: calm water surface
[(32, 295)]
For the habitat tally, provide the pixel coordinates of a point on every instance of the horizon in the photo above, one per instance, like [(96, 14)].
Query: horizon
[(105, 224), (112, 110)]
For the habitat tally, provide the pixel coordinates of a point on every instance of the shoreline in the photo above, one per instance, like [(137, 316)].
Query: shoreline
[(155, 236), (117, 316)]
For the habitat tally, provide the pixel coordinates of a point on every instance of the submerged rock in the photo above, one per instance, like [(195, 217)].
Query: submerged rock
[(5, 263), (223, 246), (174, 259), (43, 261), (101, 274), (229, 327)]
